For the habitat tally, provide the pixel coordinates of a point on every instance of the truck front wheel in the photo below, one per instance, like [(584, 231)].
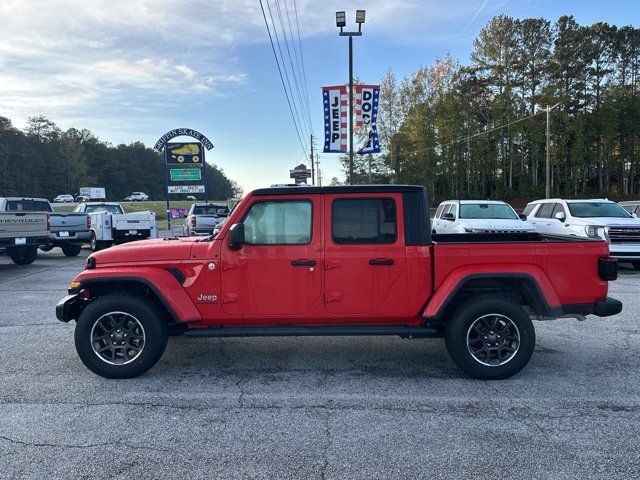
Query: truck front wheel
[(120, 336), (23, 255), (490, 338)]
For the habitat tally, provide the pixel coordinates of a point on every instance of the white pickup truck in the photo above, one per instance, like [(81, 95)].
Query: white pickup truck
[(595, 218), (21, 232), (478, 216), (109, 224)]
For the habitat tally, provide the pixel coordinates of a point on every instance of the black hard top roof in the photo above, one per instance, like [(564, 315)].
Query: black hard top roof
[(338, 189)]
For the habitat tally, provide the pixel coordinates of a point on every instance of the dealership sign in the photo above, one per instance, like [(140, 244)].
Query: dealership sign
[(300, 173), (183, 132)]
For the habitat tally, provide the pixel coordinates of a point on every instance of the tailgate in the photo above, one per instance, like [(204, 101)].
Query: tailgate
[(23, 224), (72, 222), (133, 221)]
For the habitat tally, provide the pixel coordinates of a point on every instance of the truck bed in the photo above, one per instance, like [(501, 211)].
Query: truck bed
[(506, 238)]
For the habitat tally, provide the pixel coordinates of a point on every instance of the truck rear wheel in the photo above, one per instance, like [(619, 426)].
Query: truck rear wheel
[(490, 338), (71, 250), (636, 265), (120, 336), (23, 255)]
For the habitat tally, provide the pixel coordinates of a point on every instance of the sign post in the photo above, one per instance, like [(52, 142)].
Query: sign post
[(184, 162)]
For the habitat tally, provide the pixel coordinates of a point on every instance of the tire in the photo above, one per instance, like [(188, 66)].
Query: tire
[(71, 250), (109, 311), (94, 244), (23, 256), (46, 248), (465, 330), (636, 265)]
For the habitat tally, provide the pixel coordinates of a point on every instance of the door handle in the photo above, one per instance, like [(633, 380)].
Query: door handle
[(381, 261), (303, 263)]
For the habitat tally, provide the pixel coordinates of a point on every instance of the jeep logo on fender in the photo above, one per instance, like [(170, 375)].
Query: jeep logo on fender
[(203, 298)]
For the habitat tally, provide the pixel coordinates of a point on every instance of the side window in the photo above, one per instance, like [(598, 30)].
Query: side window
[(528, 209), (447, 209), (557, 209), (363, 220), (454, 210), (439, 210), (279, 223), (545, 210)]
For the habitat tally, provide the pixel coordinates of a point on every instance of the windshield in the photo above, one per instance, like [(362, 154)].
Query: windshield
[(103, 208), (597, 209), (209, 209), (487, 211)]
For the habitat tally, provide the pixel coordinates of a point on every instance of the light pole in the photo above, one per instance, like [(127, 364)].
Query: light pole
[(341, 22), (547, 189)]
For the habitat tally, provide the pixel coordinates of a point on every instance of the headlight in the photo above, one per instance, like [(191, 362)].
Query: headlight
[(594, 231)]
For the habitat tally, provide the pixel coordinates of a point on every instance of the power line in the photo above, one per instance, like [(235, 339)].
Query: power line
[(295, 124), (301, 72), (484, 132), (293, 69)]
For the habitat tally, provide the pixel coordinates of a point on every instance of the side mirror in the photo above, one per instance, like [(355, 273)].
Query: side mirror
[(449, 217), (560, 216), (523, 217), (634, 215), (222, 213), (236, 236)]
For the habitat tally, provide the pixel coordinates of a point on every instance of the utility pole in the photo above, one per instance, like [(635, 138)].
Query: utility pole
[(313, 177), (341, 22), (318, 170), (548, 166)]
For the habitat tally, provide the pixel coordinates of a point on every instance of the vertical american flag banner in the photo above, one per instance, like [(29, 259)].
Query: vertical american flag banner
[(335, 119), (367, 99)]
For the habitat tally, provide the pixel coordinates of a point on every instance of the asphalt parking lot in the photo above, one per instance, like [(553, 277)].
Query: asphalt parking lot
[(313, 407)]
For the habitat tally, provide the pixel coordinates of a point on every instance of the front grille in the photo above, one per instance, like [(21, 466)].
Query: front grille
[(624, 234)]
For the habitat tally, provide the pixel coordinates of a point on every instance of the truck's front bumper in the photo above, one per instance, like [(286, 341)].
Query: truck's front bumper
[(625, 252), (69, 308), (605, 307)]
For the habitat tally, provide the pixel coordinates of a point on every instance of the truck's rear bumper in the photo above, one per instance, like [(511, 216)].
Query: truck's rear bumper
[(74, 237), (604, 307), (29, 242)]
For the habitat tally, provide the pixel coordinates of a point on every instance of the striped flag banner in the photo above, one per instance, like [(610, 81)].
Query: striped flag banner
[(335, 119), (367, 98)]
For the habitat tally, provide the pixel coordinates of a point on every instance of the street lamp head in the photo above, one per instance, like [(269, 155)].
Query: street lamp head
[(341, 19), (360, 16)]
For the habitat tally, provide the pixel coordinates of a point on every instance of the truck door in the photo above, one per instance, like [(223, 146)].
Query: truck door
[(278, 272), (364, 254)]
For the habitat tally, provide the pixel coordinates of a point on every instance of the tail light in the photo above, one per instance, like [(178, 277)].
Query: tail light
[(88, 221), (608, 268), (193, 221), (48, 222)]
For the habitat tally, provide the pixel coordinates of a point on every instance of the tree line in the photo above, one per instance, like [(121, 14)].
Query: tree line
[(45, 161), (479, 130)]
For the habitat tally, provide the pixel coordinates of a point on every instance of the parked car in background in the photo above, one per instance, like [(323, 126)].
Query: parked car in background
[(63, 199), (109, 224), (22, 230), (203, 218), (137, 197), (82, 198), (478, 216), (596, 218), (190, 197), (633, 207), (67, 230)]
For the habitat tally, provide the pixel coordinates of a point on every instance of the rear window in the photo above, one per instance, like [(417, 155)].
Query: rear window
[(209, 209), (103, 208), (28, 206), (487, 211), (597, 209), (364, 220)]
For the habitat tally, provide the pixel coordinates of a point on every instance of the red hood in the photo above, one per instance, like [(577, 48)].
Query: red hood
[(147, 251)]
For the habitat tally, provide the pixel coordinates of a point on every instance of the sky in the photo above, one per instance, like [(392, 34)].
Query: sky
[(133, 70)]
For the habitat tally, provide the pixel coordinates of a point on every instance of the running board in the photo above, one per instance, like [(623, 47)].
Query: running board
[(293, 331)]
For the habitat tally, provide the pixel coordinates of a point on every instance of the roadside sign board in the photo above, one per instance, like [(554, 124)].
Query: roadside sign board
[(178, 212), (184, 153), (185, 174), (186, 188)]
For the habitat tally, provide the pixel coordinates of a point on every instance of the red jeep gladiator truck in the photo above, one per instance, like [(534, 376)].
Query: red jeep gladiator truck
[(347, 260)]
